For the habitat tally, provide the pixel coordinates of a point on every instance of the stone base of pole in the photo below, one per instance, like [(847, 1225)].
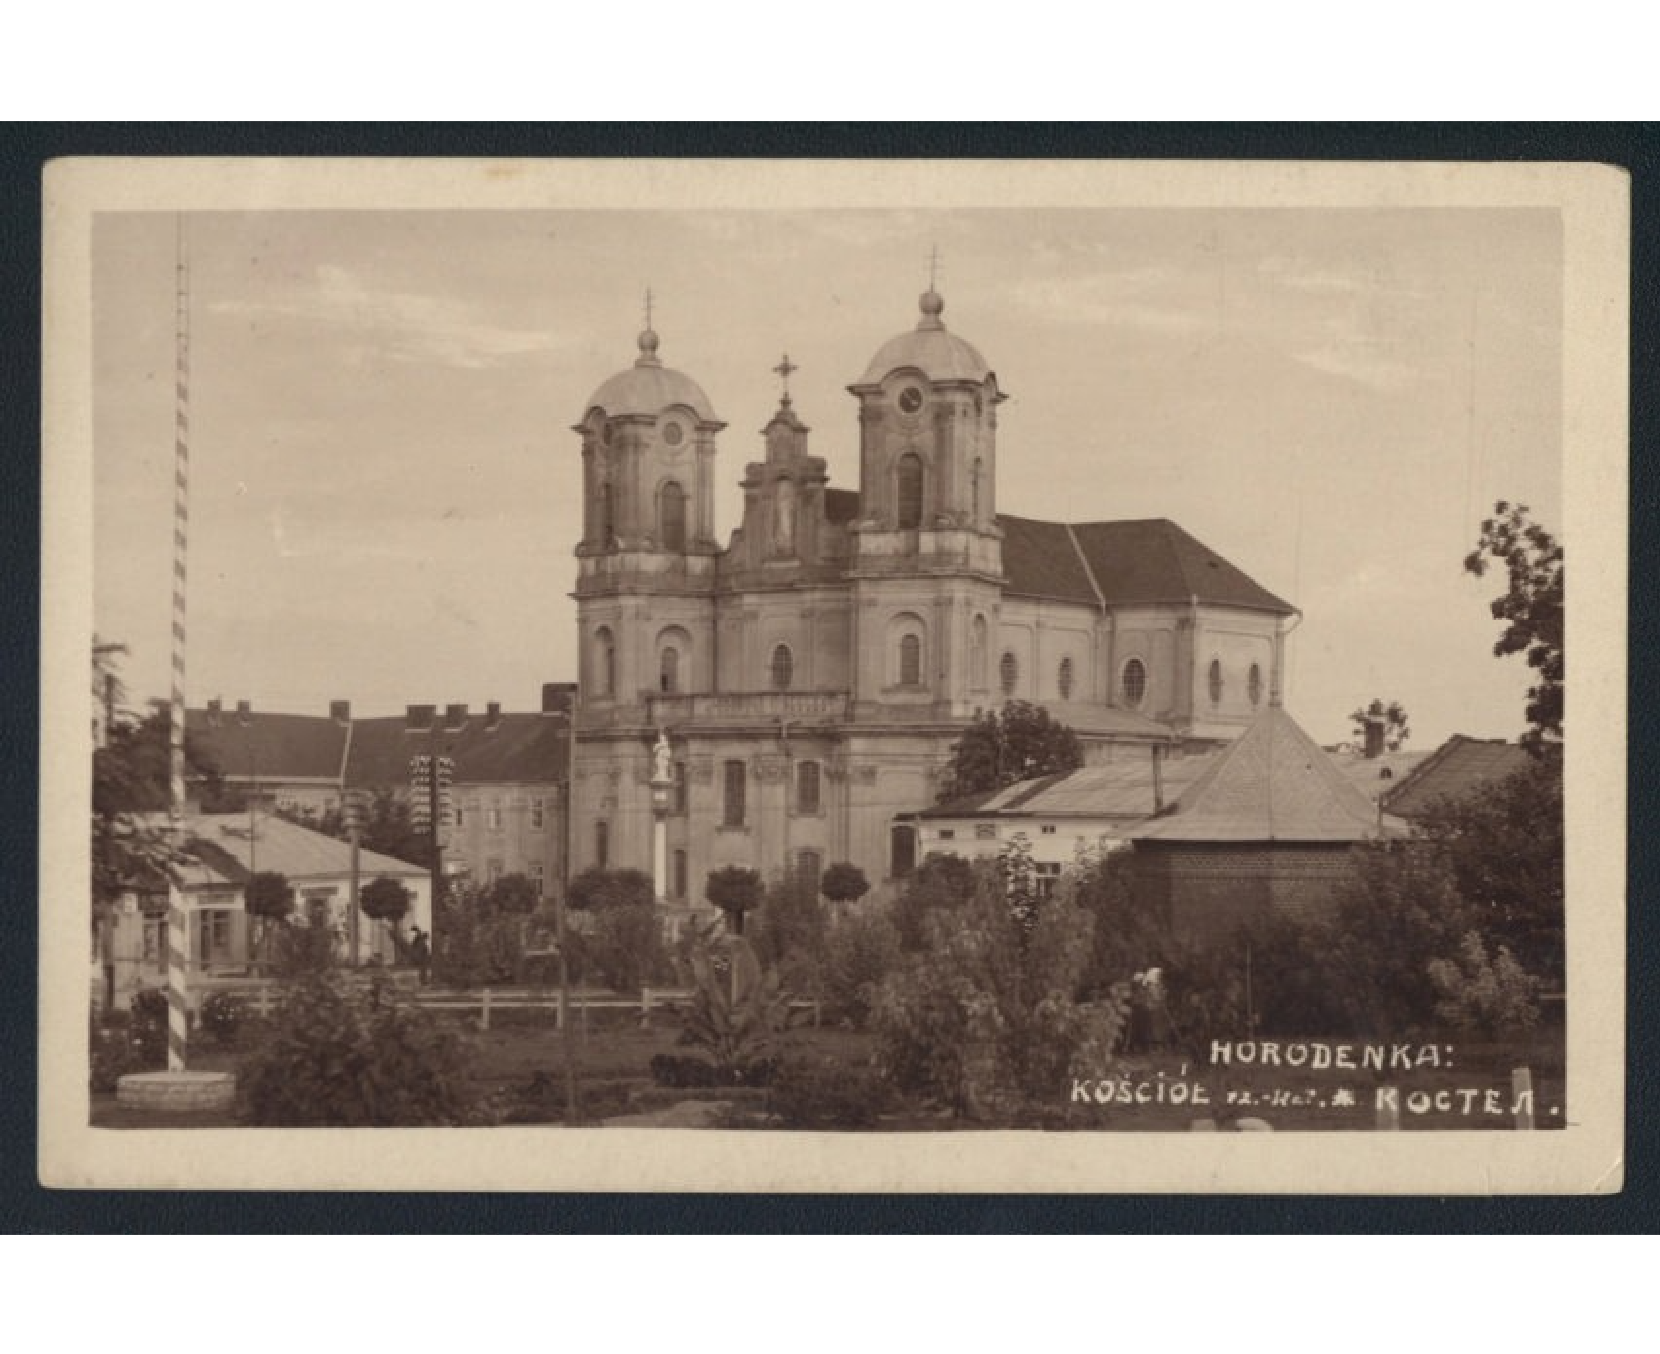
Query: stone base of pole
[(177, 1092)]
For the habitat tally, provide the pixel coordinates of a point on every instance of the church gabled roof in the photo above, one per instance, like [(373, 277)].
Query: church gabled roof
[(1137, 562), (1272, 784)]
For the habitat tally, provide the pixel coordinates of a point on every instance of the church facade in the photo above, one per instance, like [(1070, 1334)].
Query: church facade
[(811, 675)]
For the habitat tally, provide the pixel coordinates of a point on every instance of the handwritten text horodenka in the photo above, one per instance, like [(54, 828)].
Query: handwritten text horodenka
[(1375, 1057)]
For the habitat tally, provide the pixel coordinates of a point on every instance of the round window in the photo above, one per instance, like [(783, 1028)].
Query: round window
[(910, 399), (673, 434)]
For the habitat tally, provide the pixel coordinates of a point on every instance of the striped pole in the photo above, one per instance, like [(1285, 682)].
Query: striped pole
[(178, 1021)]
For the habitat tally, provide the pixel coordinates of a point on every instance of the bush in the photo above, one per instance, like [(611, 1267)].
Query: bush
[(223, 1016), (343, 1057), (736, 891), (148, 1030), (114, 1052), (828, 1094), (675, 1070), (624, 948), (860, 951), (1485, 994), (990, 1015)]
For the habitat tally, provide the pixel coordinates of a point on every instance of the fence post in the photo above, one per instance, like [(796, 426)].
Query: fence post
[(484, 1011), (264, 992), (645, 1008), (1521, 1096)]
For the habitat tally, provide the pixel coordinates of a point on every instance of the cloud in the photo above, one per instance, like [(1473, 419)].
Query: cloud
[(402, 326), (1146, 298), (1360, 360)]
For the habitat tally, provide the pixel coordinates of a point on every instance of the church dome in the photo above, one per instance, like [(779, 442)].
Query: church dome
[(648, 387), (930, 348)]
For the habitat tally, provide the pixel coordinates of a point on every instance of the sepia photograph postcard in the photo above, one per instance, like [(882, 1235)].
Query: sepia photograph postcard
[(877, 676)]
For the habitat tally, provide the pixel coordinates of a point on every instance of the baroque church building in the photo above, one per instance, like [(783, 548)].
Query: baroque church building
[(810, 677)]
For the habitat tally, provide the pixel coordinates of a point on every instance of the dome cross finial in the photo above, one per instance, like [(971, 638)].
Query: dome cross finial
[(933, 267), (784, 369), (648, 305)]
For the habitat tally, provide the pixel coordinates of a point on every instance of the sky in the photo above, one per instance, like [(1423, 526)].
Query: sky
[(385, 484)]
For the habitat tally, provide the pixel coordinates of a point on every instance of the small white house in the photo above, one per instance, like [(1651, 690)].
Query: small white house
[(222, 852)]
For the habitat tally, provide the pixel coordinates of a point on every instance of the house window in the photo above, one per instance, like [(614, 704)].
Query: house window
[(1215, 681), (1253, 685), (668, 670), (807, 787), (677, 883), (948, 834), (602, 844), (808, 866), (678, 792), (155, 937), (605, 662), (783, 668), (734, 785), (1046, 874), (671, 515), (910, 660), (214, 935), (985, 832), (910, 491), (458, 813), (1008, 673), (902, 851), (495, 816), (1063, 679), (1133, 683), (493, 871), (538, 815), (1047, 830), (537, 877)]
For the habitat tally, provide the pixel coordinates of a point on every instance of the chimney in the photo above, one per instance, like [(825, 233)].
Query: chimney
[(455, 718), (244, 712), (1374, 737), (215, 708), (492, 716), (340, 712), (418, 718), (558, 698)]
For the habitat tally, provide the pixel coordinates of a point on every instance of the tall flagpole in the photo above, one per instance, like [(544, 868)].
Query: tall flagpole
[(178, 1015)]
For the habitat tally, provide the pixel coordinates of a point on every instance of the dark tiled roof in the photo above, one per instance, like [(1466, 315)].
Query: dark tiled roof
[(519, 749), (1272, 784), (1122, 788), (1156, 561), (1040, 560), (271, 746), (841, 505), (1457, 767)]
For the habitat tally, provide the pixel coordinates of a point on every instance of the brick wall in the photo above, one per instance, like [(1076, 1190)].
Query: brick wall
[(1209, 889)]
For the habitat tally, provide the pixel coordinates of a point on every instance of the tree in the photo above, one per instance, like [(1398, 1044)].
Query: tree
[(1530, 607), (844, 882), (1016, 743), (387, 827), (941, 881), (1393, 718), (596, 889), (735, 891), (268, 897), (385, 899), (513, 893)]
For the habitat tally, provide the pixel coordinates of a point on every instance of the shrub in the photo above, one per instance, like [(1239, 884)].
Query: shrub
[(990, 1014), (148, 1031), (113, 1052), (597, 888), (828, 1094), (941, 881), (735, 891), (222, 1016), (343, 1057), (844, 882), (860, 951), (1485, 994), (624, 948), (738, 1009), (790, 932)]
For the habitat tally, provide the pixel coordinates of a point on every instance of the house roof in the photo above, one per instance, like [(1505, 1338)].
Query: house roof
[(1376, 777), (288, 747), (1122, 788), (221, 851), (1136, 562), (1272, 784), (1457, 767), (517, 749)]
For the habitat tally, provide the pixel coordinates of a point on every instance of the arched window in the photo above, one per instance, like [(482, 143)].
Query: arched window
[(910, 660), (602, 844), (902, 851), (1008, 673), (977, 653), (671, 516), (605, 662), (783, 668), (1215, 681), (910, 490), (1253, 685), (1133, 683), (668, 670), (734, 784), (807, 787), (1063, 679)]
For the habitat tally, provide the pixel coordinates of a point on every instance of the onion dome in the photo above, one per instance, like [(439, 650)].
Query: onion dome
[(648, 388), (929, 348)]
